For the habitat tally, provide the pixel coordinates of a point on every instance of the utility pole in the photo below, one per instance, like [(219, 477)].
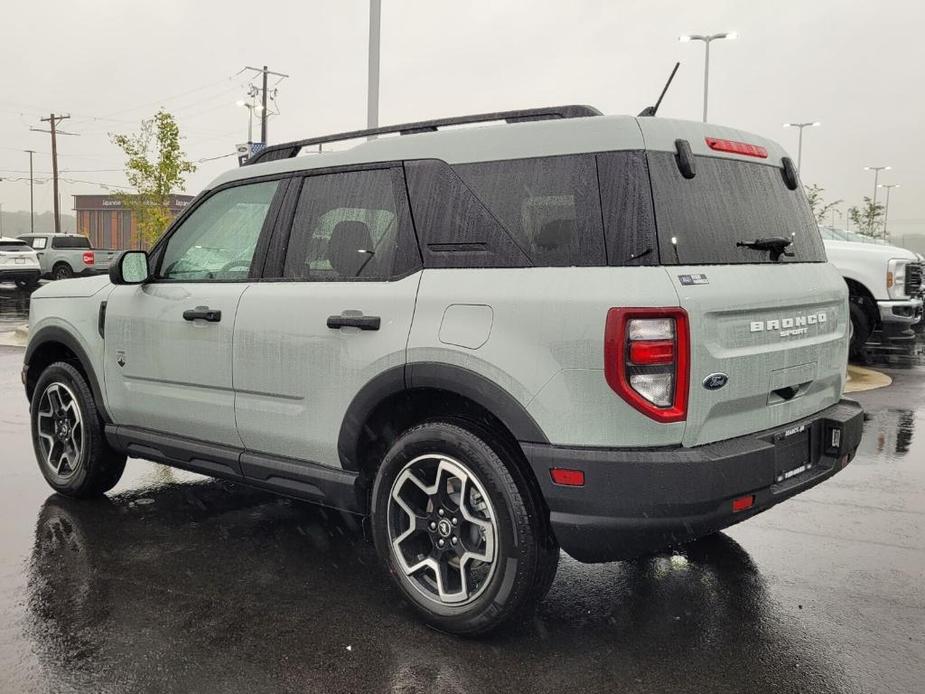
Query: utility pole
[(372, 95), (31, 195), (265, 114), (876, 170), (53, 121)]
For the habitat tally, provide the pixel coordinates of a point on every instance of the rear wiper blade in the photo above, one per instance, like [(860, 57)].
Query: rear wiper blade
[(775, 244)]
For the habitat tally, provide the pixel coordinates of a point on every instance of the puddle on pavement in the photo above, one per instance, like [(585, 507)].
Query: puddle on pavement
[(888, 436), (14, 307)]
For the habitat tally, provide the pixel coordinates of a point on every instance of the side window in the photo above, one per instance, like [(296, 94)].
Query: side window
[(217, 241), (70, 241), (454, 227), (39, 242), (550, 206), (351, 225), (626, 202)]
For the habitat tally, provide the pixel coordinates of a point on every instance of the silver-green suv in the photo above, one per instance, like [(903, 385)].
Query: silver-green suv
[(606, 334)]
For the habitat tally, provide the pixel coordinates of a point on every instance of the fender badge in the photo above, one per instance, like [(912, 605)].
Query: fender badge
[(120, 358), (715, 381)]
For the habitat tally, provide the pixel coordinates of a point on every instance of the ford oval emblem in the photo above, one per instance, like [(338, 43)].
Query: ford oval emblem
[(715, 381)]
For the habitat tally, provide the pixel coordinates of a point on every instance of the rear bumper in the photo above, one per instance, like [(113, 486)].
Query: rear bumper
[(20, 274), (636, 501)]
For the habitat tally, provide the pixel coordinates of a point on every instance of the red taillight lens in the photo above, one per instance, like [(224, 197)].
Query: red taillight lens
[(89, 258), (647, 360), (737, 147), (644, 352), (567, 478)]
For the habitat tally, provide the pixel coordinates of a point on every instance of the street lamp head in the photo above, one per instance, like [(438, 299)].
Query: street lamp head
[(815, 123), (239, 102), (730, 35), (685, 38)]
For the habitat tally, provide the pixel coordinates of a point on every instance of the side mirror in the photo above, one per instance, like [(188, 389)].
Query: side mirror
[(129, 268)]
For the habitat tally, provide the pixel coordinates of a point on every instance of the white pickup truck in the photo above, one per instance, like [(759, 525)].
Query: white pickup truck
[(884, 285), (68, 255)]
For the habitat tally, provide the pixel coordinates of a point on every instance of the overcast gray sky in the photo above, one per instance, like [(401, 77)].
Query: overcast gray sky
[(856, 67)]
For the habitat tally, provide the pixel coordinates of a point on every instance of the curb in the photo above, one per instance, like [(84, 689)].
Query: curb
[(861, 379), (16, 338)]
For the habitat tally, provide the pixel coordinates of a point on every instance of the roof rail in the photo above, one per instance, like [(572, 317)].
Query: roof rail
[(287, 150)]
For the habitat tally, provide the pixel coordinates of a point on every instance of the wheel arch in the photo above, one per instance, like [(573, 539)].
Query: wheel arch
[(403, 396), (861, 295), (51, 344)]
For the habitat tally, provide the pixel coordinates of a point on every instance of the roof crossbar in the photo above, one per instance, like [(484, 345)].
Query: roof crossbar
[(287, 150)]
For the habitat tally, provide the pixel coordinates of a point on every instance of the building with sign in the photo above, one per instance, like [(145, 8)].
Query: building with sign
[(110, 224)]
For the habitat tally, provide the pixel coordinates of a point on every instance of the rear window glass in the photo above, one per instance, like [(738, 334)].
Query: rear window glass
[(13, 246), (70, 242), (701, 219)]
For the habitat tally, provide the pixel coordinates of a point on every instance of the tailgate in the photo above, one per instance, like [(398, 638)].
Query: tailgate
[(778, 332)]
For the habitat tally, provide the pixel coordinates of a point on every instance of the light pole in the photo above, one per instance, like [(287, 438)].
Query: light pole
[(31, 196), (876, 170), (812, 124), (372, 94), (707, 39), (250, 118), (836, 211), (886, 210)]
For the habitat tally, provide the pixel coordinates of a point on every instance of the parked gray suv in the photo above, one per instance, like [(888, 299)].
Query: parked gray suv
[(609, 334)]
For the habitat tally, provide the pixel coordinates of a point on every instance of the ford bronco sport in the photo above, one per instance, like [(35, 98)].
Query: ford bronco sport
[(607, 334)]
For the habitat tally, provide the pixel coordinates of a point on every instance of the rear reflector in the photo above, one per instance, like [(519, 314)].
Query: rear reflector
[(734, 147), (89, 258), (743, 503), (567, 478)]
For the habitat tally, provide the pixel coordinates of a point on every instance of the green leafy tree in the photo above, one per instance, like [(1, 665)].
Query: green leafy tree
[(155, 167), (868, 218), (817, 203)]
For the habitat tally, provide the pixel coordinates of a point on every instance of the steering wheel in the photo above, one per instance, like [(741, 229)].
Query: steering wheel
[(227, 267)]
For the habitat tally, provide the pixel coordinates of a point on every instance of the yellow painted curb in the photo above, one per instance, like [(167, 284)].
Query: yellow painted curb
[(860, 379)]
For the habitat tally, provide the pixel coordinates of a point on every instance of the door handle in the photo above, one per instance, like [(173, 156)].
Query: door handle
[(361, 322), (202, 313)]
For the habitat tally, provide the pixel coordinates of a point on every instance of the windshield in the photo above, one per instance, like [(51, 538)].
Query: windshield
[(702, 219)]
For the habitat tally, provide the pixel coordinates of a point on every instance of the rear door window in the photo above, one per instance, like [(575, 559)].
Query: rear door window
[(700, 220), (352, 225)]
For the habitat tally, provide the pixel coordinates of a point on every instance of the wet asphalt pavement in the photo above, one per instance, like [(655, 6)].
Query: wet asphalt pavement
[(178, 583)]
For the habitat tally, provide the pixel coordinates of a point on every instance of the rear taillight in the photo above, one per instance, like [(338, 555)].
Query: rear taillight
[(89, 258), (734, 147), (647, 359)]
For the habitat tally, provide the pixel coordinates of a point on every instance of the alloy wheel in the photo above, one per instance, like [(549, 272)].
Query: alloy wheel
[(442, 529), (60, 430)]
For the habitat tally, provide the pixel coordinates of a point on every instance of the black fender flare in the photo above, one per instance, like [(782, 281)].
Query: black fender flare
[(57, 334), (433, 375)]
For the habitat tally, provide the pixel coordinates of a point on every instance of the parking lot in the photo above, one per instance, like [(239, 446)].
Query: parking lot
[(178, 583)]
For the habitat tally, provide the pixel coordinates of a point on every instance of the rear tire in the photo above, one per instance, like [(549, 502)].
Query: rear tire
[(62, 271), (67, 435), (861, 329), (496, 558)]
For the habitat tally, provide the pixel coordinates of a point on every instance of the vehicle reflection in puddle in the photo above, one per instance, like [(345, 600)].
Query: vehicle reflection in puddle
[(14, 306), (215, 574), (887, 436)]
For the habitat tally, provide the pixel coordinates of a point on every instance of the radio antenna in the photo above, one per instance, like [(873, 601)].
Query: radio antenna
[(650, 111)]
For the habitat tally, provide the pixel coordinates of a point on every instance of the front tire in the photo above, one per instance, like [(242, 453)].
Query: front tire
[(459, 530), (67, 435), (861, 329)]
